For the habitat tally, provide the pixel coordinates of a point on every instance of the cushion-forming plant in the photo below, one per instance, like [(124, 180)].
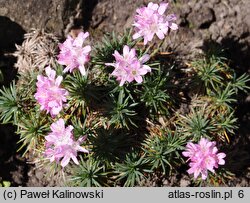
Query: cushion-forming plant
[(117, 106)]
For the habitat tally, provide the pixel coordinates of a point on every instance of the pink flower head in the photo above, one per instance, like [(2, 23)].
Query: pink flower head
[(151, 20), (72, 53), (49, 94), (60, 144), (128, 67), (203, 156)]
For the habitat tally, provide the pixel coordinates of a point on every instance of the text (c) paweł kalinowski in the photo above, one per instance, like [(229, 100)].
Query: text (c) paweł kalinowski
[(65, 194)]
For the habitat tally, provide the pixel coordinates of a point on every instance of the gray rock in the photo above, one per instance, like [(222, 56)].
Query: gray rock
[(202, 18), (109, 15), (215, 1), (39, 174), (11, 34), (185, 182), (215, 31), (53, 15)]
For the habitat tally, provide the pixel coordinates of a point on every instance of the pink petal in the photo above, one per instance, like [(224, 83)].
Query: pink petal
[(191, 170), (150, 4), (173, 26), (162, 8), (117, 56), (196, 173), (75, 159), (171, 17), (150, 36), (146, 67), (142, 71), (145, 41), (153, 6), (144, 58), (132, 53), (125, 50), (78, 42), (55, 110), (57, 126), (214, 150), (65, 161), (48, 71), (61, 124), (82, 139), (204, 175), (164, 28), (221, 162), (220, 157), (82, 70), (86, 34), (123, 80), (110, 64), (68, 68), (52, 158), (69, 128), (136, 35), (81, 149), (186, 153), (86, 49), (51, 138), (58, 80), (160, 34), (130, 78), (40, 78), (203, 142), (138, 79)]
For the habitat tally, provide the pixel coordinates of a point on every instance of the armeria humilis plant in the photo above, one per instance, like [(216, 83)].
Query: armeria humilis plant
[(203, 157), (151, 20), (89, 173), (132, 169), (163, 152), (49, 93), (118, 112), (38, 50), (128, 67), (73, 54), (60, 144)]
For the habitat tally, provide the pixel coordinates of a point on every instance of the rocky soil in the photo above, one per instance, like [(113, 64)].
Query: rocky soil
[(203, 23)]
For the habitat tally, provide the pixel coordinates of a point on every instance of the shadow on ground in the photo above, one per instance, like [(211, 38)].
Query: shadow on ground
[(238, 151), (13, 168)]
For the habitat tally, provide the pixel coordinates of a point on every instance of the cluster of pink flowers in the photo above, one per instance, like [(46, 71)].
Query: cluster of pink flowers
[(203, 156), (151, 20), (49, 94), (72, 53), (60, 144), (128, 67)]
